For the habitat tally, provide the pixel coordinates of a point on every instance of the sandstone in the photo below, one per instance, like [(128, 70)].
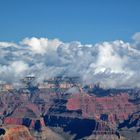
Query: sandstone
[(16, 132)]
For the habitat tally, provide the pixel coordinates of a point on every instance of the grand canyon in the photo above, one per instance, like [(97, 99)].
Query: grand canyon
[(63, 108)]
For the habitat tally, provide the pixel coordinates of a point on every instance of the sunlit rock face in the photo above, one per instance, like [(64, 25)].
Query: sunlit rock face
[(16, 132)]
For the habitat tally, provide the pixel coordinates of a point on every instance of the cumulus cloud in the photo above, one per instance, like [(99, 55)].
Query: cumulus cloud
[(41, 45), (113, 64), (136, 38), (19, 66), (8, 44)]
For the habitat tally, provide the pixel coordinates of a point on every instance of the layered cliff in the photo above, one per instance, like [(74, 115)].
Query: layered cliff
[(109, 108)]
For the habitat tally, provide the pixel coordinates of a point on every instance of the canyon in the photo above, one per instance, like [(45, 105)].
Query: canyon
[(63, 108)]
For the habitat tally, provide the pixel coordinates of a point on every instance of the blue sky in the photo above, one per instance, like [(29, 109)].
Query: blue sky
[(88, 21)]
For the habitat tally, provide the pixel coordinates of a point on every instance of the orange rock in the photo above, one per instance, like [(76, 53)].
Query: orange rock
[(16, 132)]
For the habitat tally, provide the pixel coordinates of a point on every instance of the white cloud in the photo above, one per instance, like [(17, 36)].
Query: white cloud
[(41, 45), (108, 58), (113, 64), (19, 66), (136, 37), (7, 44)]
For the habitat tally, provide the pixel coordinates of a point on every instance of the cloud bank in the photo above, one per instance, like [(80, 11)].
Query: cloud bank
[(112, 64)]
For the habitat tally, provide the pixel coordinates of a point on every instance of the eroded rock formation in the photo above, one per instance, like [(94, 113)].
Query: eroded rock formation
[(16, 132)]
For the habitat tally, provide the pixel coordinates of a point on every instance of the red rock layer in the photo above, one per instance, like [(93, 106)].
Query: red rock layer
[(116, 107), (11, 120), (18, 121)]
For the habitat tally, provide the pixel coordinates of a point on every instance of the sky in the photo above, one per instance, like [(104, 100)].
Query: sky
[(87, 21), (97, 40)]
